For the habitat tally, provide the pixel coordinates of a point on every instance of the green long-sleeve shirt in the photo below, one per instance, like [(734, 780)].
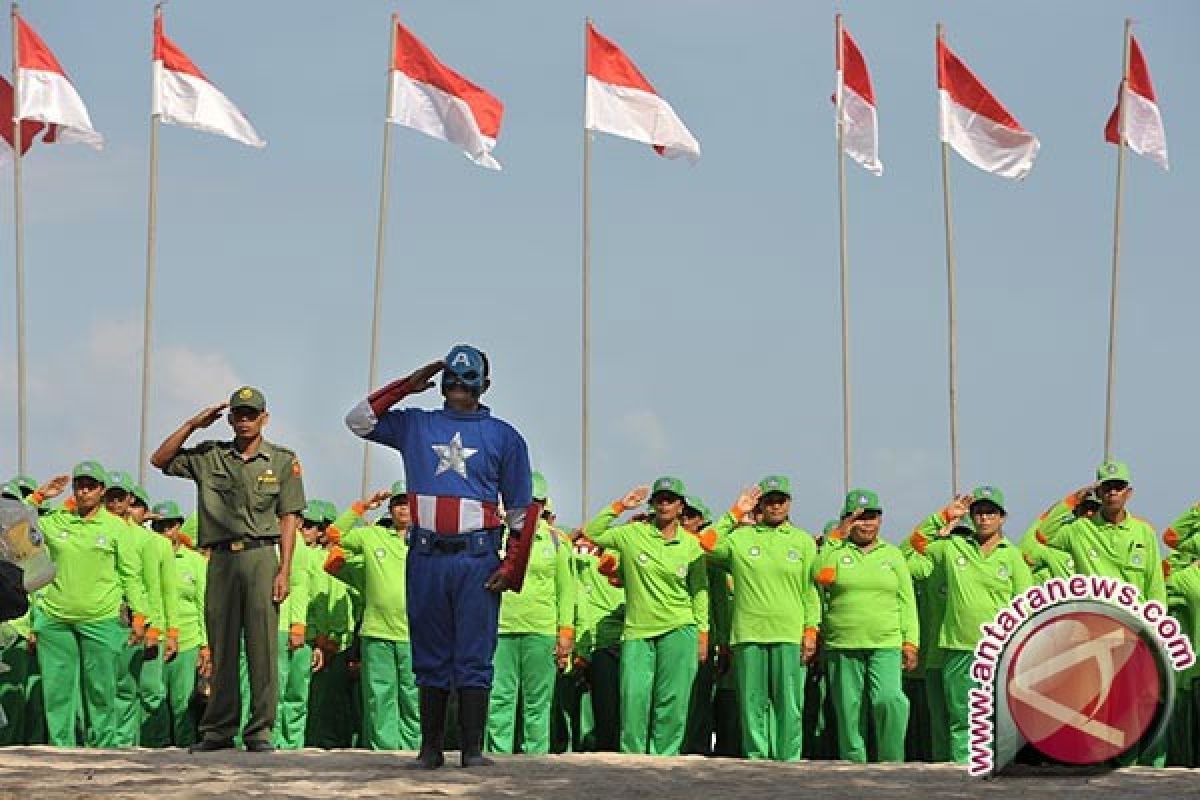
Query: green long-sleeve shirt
[(1183, 596), (383, 555), (666, 582), (1187, 548), (1127, 550), (1048, 562), (930, 594), (97, 566), (871, 604), (192, 571), (772, 568), (599, 607), (978, 584), (305, 579), (546, 602), (331, 612), (148, 598)]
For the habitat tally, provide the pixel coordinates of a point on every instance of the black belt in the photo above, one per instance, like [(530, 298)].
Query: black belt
[(248, 543)]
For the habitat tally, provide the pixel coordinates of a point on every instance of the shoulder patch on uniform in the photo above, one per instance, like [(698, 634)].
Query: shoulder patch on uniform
[(296, 470)]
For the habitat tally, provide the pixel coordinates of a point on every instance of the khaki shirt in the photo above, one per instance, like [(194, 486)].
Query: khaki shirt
[(239, 498)]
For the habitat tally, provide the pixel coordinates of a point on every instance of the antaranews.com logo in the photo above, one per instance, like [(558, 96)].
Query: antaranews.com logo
[(1078, 667)]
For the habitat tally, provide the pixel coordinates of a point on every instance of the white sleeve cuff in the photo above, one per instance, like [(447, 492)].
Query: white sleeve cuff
[(361, 419)]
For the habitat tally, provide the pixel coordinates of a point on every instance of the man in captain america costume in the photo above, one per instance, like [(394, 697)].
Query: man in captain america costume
[(459, 462)]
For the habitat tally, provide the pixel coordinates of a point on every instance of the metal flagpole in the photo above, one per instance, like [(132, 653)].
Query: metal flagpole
[(585, 387), (151, 264), (952, 306), (1116, 254), (380, 240), (19, 241), (844, 257)]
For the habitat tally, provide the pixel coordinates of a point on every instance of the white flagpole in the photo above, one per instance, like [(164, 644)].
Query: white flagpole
[(151, 265), (585, 376), (19, 241), (1116, 254), (844, 256), (952, 308), (380, 240)]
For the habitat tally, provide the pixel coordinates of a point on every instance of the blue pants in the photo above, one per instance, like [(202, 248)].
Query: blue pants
[(453, 621)]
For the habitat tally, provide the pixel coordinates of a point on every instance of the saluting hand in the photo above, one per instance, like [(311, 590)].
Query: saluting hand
[(54, 487), (959, 507), (376, 500), (421, 379), (635, 497), (747, 501), (208, 416)]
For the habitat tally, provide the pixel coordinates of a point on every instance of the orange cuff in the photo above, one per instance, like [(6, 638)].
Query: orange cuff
[(139, 623), (296, 629), (708, 540), (1171, 538), (607, 565), (152, 636), (69, 504), (173, 633), (810, 635), (950, 514), (919, 542), (908, 646), (1041, 537), (1166, 568), (335, 560), (704, 639), (618, 508), (332, 534), (186, 541), (826, 576), (37, 498), (566, 632), (358, 507), (1072, 500)]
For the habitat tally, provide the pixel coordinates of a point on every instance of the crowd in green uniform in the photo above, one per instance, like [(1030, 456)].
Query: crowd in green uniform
[(669, 631)]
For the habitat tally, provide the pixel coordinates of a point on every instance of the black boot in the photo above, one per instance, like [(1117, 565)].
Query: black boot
[(472, 717), (433, 726)]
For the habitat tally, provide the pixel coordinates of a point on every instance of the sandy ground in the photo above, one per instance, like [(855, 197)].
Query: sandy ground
[(42, 772)]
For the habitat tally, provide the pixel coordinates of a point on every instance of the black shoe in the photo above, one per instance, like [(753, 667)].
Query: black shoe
[(211, 745), (259, 746), (433, 704), (472, 717)]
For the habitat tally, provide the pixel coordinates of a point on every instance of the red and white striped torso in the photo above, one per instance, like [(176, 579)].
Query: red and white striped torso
[(452, 515)]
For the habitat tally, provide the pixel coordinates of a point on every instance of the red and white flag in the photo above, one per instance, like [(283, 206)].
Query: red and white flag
[(976, 125), (860, 125), (30, 128), (184, 96), (45, 93), (1144, 131), (435, 100), (622, 102)]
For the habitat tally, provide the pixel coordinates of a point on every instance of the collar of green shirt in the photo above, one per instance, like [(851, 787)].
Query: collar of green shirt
[(265, 451)]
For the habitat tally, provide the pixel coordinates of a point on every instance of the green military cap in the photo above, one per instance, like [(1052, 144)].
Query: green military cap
[(168, 509), (248, 397), (829, 526), (540, 489), (863, 499), (140, 495), (90, 469), (314, 511), (988, 494), (18, 487), (697, 505), (670, 485), (1114, 471), (329, 510), (399, 489), (775, 483), (120, 480)]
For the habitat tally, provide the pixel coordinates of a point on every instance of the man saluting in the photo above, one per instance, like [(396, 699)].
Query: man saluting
[(459, 462)]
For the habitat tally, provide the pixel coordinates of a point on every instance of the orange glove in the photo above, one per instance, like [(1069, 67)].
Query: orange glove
[(137, 633), (152, 637), (296, 636)]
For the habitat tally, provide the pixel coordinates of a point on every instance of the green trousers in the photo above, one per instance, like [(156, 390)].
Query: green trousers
[(291, 713), (956, 684), (770, 690), (939, 727), (179, 679), (129, 705), (389, 696), (81, 660), (333, 700), (656, 686), (14, 686), (524, 676), (152, 693), (238, 607), (874, 675)]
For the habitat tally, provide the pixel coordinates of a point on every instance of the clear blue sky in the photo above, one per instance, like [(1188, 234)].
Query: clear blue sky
[(716, 316)]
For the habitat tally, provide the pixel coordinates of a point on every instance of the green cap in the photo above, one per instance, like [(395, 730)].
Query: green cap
[(1113, 471), (988, 493), (540, 490), (140, 495), (168, 509), (864, 499), (314, 511), (775, 483), (248, 397), (829, 526), (329, 510), (91, 469), (18, 487), (696, 504), (120, 480), (399, 489), (668, 484)]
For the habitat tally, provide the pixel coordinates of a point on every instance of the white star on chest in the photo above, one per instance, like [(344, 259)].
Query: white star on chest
[(453, 456)]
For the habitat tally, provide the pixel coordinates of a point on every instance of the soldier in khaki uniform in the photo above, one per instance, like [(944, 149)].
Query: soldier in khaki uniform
[(249, 497)]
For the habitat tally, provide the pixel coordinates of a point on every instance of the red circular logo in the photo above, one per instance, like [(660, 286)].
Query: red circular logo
[(1084, 688)]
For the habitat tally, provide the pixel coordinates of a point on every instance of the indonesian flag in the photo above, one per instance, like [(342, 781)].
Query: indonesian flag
[(622, 102), (1144, 131), (860, 125), (976, 125), (45, 92), (435, 100), (184, 96), (30, 128)]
